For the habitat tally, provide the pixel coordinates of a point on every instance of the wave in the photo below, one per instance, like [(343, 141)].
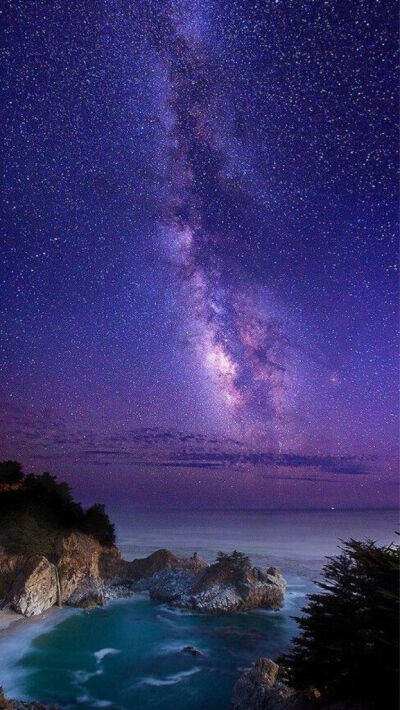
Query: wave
[(293, 594), (88, 701), (172, 646), (169, 679), (165, 609), (99, 655), (80, 677), (97, 703), (168, 621), (18, 643)]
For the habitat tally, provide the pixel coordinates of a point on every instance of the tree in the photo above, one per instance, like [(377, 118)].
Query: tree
[(223, 558), (237, 562), (41, 508), (10, 472), (349, 640), (54, 498), (240, 562), (97, 523)]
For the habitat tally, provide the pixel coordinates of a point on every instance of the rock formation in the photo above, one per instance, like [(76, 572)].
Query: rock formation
[(260, 689), (52, 551), (82, 572), (148, 566), (216, 588), (85, 567), (22, 704), (35, 587), (29, 705), (193, 651), (79, 575)]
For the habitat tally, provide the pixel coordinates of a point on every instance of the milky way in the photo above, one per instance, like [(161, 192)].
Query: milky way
[(200, 231), (239, 334)]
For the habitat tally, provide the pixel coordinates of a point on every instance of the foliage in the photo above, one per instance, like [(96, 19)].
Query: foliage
[(10, 472), (28, 534), (97, 523), (349, 641), (34, 513), (237, 562)]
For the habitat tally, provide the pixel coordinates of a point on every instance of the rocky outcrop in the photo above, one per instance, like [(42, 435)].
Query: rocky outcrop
[(80, 574), (22, 704), (29, 705), (35, 587), (260, 689), (193, 651), (85, 573), (148, 566), (216, 588), (85, 567)]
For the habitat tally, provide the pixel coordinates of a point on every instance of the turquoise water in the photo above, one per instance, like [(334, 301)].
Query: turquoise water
[(128, 654)]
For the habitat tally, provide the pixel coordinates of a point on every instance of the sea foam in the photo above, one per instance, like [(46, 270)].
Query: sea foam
[(99, 655), (18, 641), (169, 679)]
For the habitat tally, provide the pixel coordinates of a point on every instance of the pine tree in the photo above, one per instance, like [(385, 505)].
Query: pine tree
[(348, 647)]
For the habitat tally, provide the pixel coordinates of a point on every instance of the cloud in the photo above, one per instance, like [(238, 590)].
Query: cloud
[(168, 449), (155, 447)]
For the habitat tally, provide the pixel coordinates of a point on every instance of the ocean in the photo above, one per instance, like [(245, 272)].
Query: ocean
[(128, 654)]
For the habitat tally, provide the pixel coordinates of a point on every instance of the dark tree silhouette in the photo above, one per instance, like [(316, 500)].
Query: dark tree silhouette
[(10, 472), (97, 523), (237, 562), (40, 508), (348, 647)]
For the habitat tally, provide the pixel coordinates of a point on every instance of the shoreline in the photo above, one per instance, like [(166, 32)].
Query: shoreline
[(11, 621), (8, 618), (15, 639)]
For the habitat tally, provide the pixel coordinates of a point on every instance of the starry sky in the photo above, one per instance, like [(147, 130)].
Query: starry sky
[(199, 287)]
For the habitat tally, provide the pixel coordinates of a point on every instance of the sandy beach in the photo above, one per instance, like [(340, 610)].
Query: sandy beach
[(8, 617)]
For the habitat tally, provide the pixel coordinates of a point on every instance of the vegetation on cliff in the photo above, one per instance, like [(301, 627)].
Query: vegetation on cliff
[(237, 563), (36, 510), (348, 647)]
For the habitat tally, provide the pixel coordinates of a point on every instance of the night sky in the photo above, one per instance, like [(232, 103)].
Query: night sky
[(199, 287)]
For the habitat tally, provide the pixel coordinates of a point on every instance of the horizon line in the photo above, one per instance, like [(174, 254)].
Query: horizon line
[(266, 510)]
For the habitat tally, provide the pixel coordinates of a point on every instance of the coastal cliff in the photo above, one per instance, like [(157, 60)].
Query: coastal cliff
[(78, 574), (53, 552), (85, 573)]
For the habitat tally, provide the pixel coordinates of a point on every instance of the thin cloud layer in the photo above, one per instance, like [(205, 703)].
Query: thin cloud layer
[(153, 447)]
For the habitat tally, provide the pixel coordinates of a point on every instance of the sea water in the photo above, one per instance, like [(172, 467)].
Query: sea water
[(129, 654)]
